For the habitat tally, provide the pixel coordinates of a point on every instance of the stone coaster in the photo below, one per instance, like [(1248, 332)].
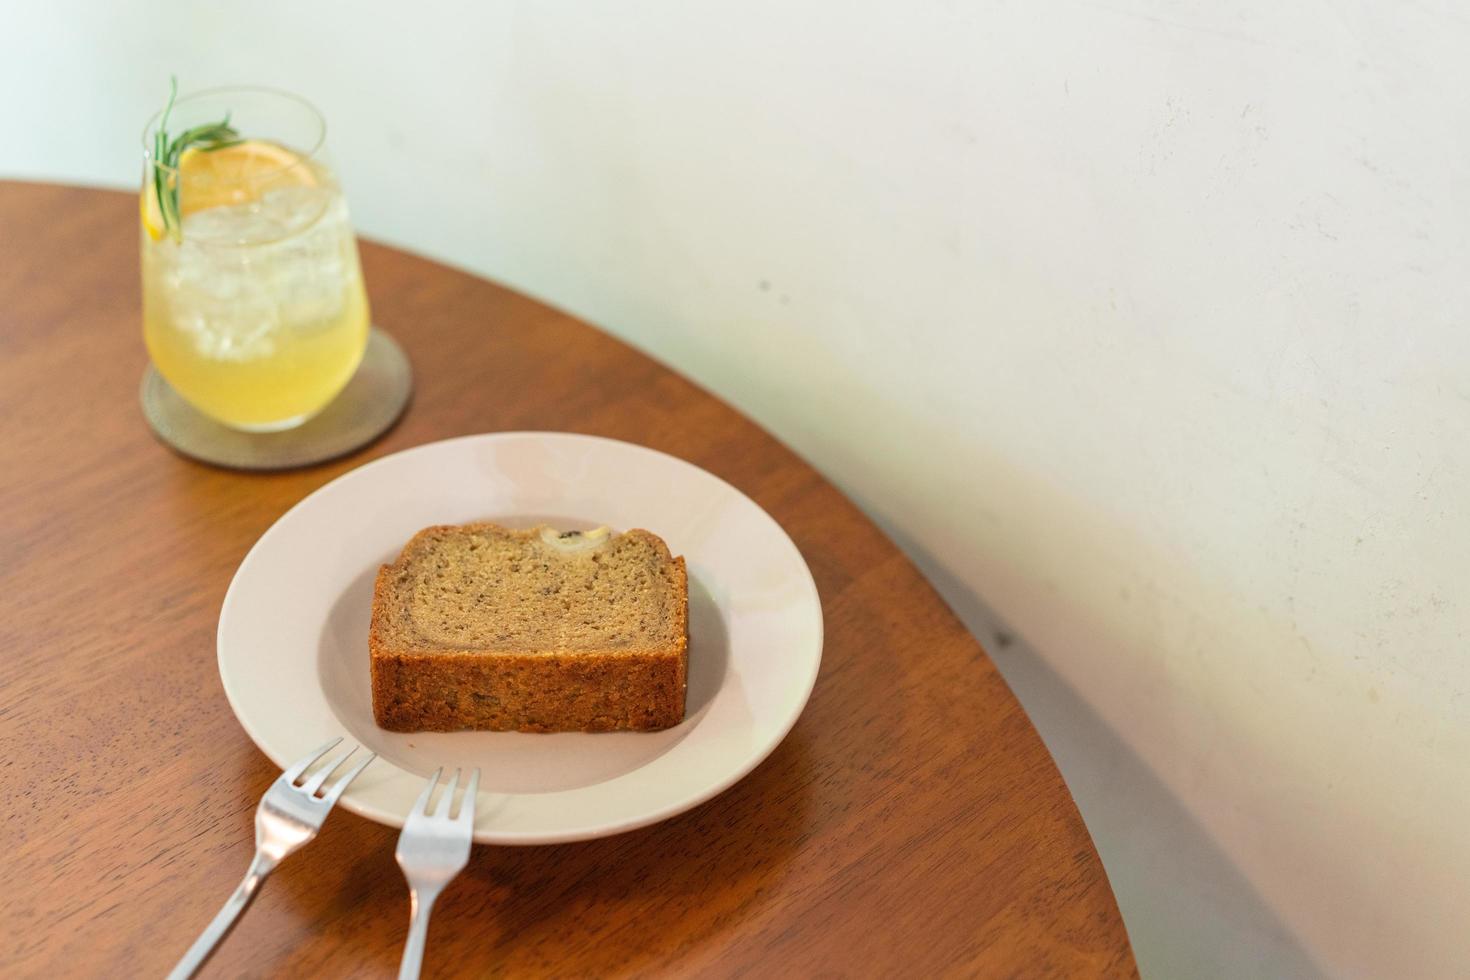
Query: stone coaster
[(369, 405)]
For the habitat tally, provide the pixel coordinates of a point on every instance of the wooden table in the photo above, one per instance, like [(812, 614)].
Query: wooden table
[(911, 825)]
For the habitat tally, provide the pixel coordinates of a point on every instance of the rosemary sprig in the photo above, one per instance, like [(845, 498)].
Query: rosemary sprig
[(166, 154)]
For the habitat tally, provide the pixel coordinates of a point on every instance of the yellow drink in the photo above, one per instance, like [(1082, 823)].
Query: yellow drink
[(257, 316), (304, 368), (253, 303)]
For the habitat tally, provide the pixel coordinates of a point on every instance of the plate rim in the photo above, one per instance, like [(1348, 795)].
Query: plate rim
[(533, 837)]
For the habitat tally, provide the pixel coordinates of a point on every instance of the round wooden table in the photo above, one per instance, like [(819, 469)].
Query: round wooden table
[(911, 825)]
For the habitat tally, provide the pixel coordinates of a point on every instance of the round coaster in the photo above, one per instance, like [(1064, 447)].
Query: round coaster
[(366, 408)]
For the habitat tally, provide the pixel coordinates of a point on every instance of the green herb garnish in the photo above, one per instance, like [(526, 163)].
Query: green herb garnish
[(166, 154)]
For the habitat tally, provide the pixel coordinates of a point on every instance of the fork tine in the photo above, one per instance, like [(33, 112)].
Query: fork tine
[(315, 782), (422, 805), (300, 766), (442, 810), (467, 805), (345, 781)]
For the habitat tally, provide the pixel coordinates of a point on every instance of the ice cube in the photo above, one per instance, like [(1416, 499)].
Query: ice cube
[(243, 274)]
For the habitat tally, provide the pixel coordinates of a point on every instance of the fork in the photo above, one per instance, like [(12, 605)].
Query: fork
[(288, 817), (432, 849)]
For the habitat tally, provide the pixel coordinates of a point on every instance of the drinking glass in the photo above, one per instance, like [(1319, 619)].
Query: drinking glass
[(253, 303)]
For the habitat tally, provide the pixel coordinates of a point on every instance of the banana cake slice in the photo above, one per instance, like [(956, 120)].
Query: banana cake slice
[(480, 627)]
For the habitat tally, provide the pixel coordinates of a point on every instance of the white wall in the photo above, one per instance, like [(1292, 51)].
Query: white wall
[(1142, 325)]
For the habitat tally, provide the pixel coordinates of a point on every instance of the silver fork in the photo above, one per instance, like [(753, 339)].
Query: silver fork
[(431, 850), (288, 817)]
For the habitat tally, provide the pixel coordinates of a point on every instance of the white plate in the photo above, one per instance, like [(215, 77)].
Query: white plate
[(293, 649)]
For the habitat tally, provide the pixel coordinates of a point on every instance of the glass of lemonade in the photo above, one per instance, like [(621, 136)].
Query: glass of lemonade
[(253, 303)]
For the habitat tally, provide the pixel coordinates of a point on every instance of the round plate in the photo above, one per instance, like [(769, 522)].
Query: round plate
[(364, 410), (293, 650)]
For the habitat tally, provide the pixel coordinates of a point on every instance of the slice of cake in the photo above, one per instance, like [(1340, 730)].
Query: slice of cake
[(480, 627)]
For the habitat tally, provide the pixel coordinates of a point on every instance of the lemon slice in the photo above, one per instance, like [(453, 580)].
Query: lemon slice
[(235, 174), (148, 208)]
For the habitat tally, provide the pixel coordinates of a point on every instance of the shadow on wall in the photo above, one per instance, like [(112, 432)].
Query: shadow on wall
[(1254, 818), (1189, 912)]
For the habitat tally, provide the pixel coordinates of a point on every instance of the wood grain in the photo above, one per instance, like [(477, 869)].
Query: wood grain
[(911, 825)]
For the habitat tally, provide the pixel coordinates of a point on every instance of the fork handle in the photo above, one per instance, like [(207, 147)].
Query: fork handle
[(421, 903), (217, 930)]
